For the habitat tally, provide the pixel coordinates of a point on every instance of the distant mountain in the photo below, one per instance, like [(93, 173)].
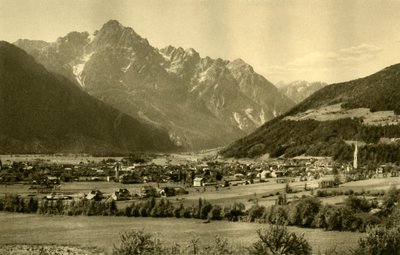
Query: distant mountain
[(299, 90), (202, 102), (41, 112), (331, 119)]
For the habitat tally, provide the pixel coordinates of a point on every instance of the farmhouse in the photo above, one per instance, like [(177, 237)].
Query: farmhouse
[(95, 195), (198, 182), (121, 194)]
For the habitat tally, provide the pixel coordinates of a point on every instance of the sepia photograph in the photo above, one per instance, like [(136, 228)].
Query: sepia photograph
[(204, 127)]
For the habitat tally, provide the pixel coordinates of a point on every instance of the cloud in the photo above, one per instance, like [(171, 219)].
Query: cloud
[(327, 66), (343, 57)]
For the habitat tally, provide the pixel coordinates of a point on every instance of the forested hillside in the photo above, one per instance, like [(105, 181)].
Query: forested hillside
[(281, 136)]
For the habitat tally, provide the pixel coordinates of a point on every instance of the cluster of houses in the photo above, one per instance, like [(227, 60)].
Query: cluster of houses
[(45, 176)]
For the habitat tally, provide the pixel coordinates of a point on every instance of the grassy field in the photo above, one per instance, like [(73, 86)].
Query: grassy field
[(245, 194), (103, 232), (373, 184), (52, 158)]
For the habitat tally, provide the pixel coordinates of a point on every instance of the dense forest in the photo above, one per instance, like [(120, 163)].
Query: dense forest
[(315, 138)]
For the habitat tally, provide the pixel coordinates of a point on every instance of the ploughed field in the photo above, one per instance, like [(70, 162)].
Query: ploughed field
[(103, 232)]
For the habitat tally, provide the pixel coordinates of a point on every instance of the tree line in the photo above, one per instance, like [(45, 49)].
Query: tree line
[(307, 212)]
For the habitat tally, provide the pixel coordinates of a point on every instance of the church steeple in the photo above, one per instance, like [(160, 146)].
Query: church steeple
[(355, 159)]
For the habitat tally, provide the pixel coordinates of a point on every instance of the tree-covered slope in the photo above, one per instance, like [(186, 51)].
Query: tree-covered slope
[(282, 136)]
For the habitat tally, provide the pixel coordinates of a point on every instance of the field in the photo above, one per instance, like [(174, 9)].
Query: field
[(245, 194), (52, 158), (103, 232)]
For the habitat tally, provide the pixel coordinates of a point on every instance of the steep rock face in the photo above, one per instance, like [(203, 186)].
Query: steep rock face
[(327, 122), (202, 102), (300, 90), (45, 113)]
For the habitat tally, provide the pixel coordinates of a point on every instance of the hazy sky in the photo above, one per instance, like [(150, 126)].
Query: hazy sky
[(326, 40)]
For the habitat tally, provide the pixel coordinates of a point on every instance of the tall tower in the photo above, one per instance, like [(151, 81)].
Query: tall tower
[(117, 168), (355, 159)]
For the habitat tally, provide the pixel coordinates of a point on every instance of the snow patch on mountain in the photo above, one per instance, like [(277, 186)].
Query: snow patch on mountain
[(165, 56), (262, 116), (249, 112), (91, 38), (238, 120), (203, 76), (77, 69), (125, 69), (193, 88)]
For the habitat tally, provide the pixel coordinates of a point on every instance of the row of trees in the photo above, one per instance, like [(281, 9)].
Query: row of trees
[(149, 208), (307, 212), (11, 203)]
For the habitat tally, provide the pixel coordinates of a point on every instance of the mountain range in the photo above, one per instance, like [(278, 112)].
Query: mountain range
[(330, 121), (297, 91), (202, 102), (43, 112)]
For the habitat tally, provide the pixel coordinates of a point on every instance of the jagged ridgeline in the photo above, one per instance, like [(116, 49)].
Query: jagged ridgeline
[(324, 124), (300, 90), (202, 102), (42, 112)]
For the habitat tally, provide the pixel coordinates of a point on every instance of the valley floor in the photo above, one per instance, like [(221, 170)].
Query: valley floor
[(103, 232)]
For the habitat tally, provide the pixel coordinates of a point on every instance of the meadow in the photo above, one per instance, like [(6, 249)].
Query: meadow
[(103, 232)]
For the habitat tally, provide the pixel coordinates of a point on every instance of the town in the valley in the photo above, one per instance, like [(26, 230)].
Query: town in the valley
[(186, 175)]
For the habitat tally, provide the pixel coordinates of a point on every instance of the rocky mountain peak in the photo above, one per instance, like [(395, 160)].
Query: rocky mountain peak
[(113, 25), (170, 87), (114, 34), (172, 53), (75, 38), (241, 65)]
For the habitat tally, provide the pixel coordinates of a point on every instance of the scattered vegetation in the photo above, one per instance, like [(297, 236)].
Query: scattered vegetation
[(278, 240), (274, 240)]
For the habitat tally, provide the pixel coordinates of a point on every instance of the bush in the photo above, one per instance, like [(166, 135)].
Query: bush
[(277, 240), (358, 204), (379, 241), (302, 213), (391, 198), (255, 212), (215, 213), (138, 242), (234, 212), (330, 218), (277, 214)]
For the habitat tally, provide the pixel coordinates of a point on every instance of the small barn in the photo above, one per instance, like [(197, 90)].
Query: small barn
[(198, 182)]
